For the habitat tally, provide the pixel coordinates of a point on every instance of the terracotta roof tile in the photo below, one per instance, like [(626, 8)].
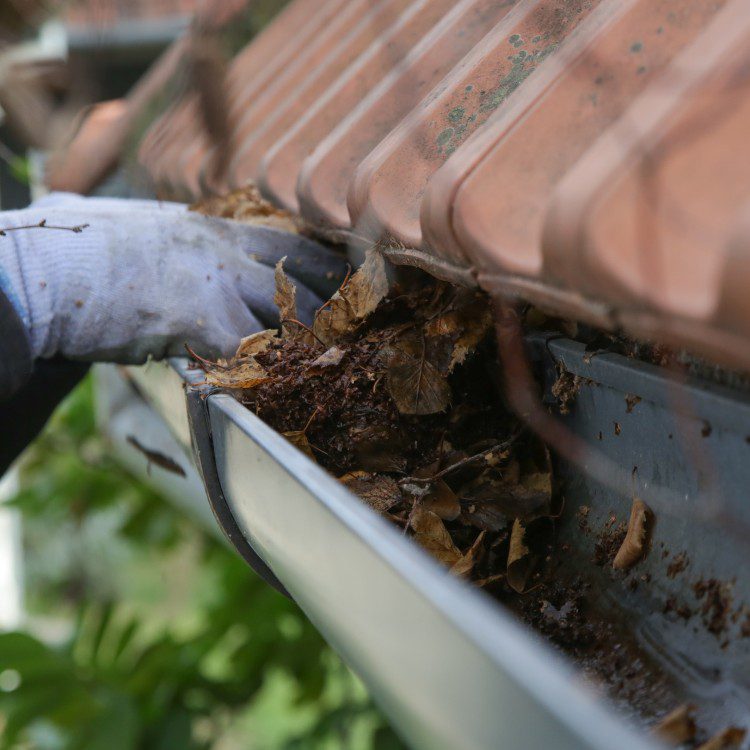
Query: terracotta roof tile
[(281, 165), (387, 189), (585, 155), (312, 72), (325, 176), (517, 160), (645, 220)]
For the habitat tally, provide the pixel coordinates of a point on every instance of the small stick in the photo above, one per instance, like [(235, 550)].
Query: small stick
[(302, 325), (202, 361), (309, 421), (459, 464), (43, 225)]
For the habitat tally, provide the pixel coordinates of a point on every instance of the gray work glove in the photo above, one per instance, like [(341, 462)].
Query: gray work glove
[(145, 278)]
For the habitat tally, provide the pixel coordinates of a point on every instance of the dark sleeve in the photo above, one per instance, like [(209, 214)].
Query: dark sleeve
[(29, 391), (15, 352)]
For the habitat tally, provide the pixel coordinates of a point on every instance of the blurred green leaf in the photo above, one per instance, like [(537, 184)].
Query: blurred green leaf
[(131, 671)]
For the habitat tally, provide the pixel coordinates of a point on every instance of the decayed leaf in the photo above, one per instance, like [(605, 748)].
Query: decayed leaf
[(243, 375), (285, 298), (485, 515), (465, 565), (565, 389), (378, 448), (442, 501), (381, 493), (299, 440), (491, 499), (431, 534), (730, 737), (635, 544), (354, 301), (464, 327), (520, 563), (330, 359), (255, 343), (677, 727), (414, 383), (247, 205)]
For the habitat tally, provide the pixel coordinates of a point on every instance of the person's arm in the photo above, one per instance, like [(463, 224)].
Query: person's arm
[(122, 281)]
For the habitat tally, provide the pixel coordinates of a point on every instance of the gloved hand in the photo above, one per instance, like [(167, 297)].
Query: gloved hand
[(144, 278)]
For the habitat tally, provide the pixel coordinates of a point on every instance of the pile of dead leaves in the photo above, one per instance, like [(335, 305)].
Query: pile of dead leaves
[(394, 389), (247, 205)]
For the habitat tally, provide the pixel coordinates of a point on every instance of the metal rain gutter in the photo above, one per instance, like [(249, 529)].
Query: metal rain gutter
[(448, 666)]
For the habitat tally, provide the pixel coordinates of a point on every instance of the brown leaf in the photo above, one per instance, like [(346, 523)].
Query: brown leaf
[(255, 343), (635, 543), (730, 737), (330, 359), (485, 515), (285, 298), (520, 563), (378, 448), (414, 383), (677, 727), (381, 493), (463, 327), (430, 533), (248, 206), (299, 440), (242, 375), (496, 497), (442, 501), (465, 565), (355, 300)]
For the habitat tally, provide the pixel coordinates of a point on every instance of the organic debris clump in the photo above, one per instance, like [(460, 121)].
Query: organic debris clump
[(394, 389)]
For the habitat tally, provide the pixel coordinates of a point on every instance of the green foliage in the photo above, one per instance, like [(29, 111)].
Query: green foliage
[(228, 664)]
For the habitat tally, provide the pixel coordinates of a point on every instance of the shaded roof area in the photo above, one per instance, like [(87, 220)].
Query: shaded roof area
[(588, 156)]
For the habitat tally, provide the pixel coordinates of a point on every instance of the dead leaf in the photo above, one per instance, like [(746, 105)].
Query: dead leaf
[(635, 544), (464, 328), (299, 440), (330, 359), (728, 738), (465, 565), (565, 389), (677, 727), (442, 501), (381, 493), (430, 533), (485, 515), (414, 383), (243, 375), (247, 205), (378, 448), (496, 497), (356, 299), (285, 298), (519, 558), (255, 343)]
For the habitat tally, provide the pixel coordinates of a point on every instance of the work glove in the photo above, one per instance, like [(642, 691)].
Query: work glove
[(122, 280)]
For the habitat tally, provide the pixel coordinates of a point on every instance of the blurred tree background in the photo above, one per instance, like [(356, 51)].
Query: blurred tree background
[(143, 630)]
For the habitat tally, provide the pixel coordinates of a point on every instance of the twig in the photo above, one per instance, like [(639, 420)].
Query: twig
[(43, 225), (460, 464), (202, 361), (307, 328)]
